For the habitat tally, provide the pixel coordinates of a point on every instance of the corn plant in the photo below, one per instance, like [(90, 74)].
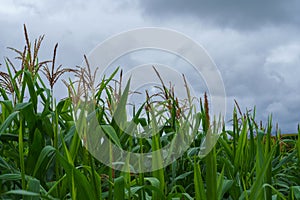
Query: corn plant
[(44, 153)]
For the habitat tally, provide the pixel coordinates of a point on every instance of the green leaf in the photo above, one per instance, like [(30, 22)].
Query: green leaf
[(119, 188), (33, 186), (111, 133), (295, 192), (23, 193), (184, 175), (198, 182), (47, 151), (211, 173), (80, 186), (157, 160), (3, 94), (10, 177), (8, 105), (35, 149), (8, 121), (120, 115), (31, 89), (256, 188), (5, 137), (21, 106)]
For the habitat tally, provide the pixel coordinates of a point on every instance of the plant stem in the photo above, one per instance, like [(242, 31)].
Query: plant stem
[(21, 154)]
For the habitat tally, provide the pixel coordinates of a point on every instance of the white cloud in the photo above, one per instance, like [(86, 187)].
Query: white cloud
[(8, 8), (286, 54)]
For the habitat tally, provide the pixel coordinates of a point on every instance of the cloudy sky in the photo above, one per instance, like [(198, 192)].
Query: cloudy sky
[(255, 44)]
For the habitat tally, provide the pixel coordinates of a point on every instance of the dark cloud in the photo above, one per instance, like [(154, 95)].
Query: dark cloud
[(255, 44), (231, 13)]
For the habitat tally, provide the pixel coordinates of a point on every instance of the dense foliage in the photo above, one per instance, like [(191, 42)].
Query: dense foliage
[(42, 157)]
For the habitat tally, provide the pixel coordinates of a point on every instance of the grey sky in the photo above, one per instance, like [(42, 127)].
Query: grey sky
[(255, 44), (232, 13)]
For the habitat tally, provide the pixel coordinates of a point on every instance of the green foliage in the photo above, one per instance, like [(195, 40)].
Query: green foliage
[(42, 156)]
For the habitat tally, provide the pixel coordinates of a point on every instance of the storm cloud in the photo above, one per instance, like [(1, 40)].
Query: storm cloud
[(255, 44), (231, 13)]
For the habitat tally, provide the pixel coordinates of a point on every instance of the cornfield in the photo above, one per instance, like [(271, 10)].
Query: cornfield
[(42, 156)]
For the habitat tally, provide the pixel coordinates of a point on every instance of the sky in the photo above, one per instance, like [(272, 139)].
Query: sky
[(255, 44)]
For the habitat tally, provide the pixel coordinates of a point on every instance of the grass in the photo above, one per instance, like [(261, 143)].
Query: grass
[(42, 156)]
